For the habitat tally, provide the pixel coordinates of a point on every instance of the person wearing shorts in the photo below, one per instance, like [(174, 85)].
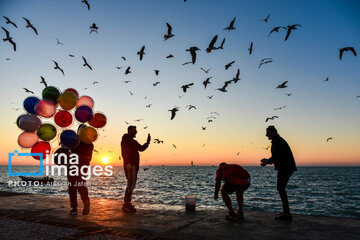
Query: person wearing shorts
[(236, 179)]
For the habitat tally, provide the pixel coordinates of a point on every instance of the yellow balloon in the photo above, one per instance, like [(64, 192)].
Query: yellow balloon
[(67, 100), (88, 134)]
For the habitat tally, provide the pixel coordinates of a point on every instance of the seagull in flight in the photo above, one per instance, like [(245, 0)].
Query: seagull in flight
[(250, 48), (158, 141), (86, 64), (185, 87), (342, 50), (169, 56), (131, 93), (289, 28), (93, 28), (58, 42), (192, 51), (206, 71), (271, 118), (210, 97), (283, 85), (265, 19), (86, 3), (27, 90), (43, 81), (237, 77), (326, 79), (173, 112), (211, 45), (190, 107), (206, 82), (276, 29), (141, 52), (186, 63), (123, 58), (288, 94), (329, 138), (29, 25), (279, 108), (229, 65), (231, 25), (156, 72), (155, 84), (221, 45), (127, 71), (169, 32), (71, 55), (9, 39), (57, 67), (95, 83), (174, 146), (223, 89), (8, 21)]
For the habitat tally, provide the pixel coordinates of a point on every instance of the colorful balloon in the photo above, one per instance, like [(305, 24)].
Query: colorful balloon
[(69, 139), (72, 90), (46, 132), (85, 101), (58, 156), (88, 135), (45, 108), (41, 147), (28, 122), (83, 114), (63, 118), (98, 120), (51, 93), (27, 139), (30, 103), (67, 100)]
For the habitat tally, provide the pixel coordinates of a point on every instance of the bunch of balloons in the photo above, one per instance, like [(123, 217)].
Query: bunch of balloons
[(52, 117)]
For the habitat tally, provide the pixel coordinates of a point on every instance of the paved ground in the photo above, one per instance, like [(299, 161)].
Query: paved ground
[(31, 216)]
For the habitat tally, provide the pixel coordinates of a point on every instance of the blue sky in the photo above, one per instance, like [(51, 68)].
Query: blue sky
[(316, 109)]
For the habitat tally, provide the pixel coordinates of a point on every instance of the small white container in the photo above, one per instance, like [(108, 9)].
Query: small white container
[(190, 203)]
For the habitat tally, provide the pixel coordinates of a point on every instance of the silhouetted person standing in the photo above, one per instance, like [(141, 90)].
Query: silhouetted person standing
[(130, 149), (236, 179), (283, 160), (77, 183)]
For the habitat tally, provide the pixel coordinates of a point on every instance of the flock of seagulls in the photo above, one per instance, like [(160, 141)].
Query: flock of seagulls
[(192, 50)]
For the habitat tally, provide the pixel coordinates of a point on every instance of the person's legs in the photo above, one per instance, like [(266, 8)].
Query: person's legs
[(84, 193), (240, 200), (131, 176), (73, 197), (226, 198), (282, 180)]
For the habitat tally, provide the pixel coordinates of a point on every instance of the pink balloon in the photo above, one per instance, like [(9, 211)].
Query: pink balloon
[(27, 139), (45, 108), (85, 101)]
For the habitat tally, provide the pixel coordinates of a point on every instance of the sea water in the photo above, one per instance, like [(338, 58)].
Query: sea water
[(329, 191)]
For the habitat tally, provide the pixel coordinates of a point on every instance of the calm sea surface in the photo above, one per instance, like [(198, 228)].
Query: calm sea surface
[(329, 191)]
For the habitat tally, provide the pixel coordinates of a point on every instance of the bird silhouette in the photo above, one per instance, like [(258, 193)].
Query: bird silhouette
[(158, 141), (127, 71), (9, 39), (29, 25), (210, 120), (169, 56), (211, 45), (265, 19), (203, 128), (329, 138), (86, 3), (282, 85), (58, 42), (216, 113), (70, 55), (267, 148), (156, 72), (155, 84), (206, 71), (223, 89), (206, 82), (169, 32), (279, 108), (57, 67), (95, 83), (229, 65), (342, 50), (149, 105), (221, 45), (123, 58), (127, 81), (93, 28), (288, 94), (231, 25), (276, 29), (326, 79), (271, 118), (174, 146), (237, 76), (210, 97), (43, 81), (265, 61), (186, 63), (118, 67), (141, 52), (138, 120), (16, 109), (173, 112), (358, 96), (131, 93), (289, 29), (185, 87), (86, 64), (8, 21), (250, 48), (191, 107), (192, 51), (28, 91)]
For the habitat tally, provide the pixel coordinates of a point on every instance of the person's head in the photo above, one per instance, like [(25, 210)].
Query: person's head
[(271, 132), (132, 131), (222, 164)]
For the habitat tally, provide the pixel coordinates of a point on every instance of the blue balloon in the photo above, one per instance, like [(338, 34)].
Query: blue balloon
[(29, 104), (69, 139)]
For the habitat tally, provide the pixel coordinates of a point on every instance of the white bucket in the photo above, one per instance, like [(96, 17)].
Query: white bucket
[(190, 203)]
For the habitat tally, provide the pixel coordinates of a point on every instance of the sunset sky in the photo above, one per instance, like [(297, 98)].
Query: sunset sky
[(315, 111)]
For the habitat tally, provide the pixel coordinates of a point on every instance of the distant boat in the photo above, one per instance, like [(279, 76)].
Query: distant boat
[(39, 180), (192, 163), (145, 169)]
